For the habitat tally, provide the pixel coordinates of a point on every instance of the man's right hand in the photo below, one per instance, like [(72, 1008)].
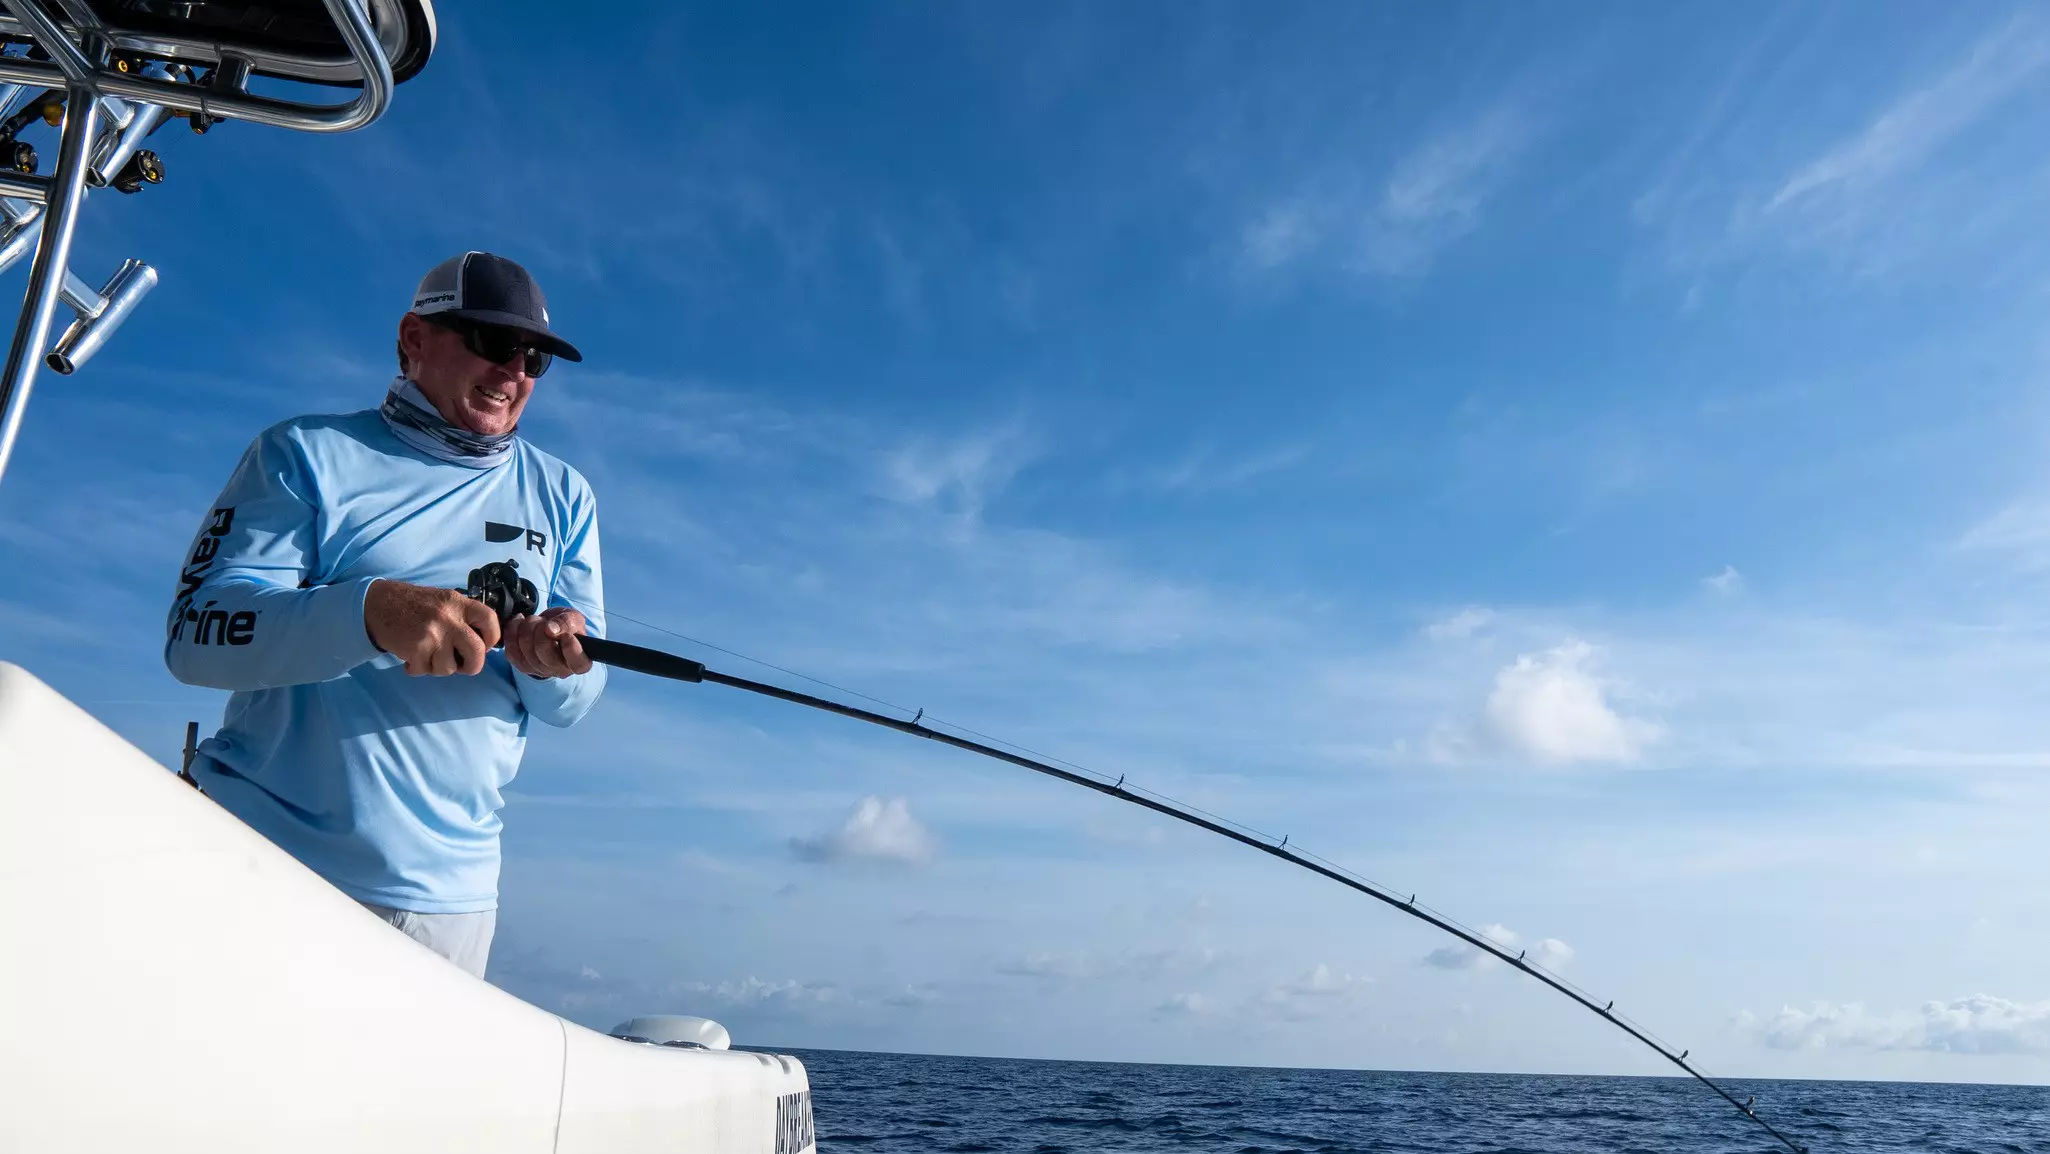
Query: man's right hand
[(435, 631)]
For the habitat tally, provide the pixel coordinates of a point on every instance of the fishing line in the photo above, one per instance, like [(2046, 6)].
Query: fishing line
[(500, 586)]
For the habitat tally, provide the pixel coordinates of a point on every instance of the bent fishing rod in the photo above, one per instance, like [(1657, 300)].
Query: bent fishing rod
[(500, 587)]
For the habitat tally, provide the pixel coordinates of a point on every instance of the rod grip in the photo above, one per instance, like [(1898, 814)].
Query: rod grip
[(650, 661)]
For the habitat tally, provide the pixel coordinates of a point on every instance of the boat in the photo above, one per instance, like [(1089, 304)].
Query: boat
[(173, 981)]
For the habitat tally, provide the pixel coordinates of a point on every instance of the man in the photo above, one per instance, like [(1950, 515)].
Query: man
[(373, 721)]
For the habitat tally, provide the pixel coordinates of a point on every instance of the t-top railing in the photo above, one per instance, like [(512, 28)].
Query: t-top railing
[(115, 86)]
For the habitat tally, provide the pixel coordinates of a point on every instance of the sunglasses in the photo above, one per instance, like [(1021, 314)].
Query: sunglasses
[(496, 343)]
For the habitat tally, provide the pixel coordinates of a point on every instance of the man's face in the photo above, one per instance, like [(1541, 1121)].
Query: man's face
[(471, 392)]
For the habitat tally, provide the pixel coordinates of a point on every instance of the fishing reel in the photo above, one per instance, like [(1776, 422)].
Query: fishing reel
[(502, 590)]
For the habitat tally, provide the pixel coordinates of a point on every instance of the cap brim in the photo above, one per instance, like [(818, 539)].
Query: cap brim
[(544, 340)]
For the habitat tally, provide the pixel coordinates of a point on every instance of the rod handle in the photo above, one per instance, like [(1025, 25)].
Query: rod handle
[(641, 660)]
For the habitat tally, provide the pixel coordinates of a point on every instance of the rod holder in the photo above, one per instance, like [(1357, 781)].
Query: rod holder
[(124, 290)]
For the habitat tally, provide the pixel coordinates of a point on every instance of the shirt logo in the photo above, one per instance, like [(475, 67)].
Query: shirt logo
[(498, 533), (212, 626)]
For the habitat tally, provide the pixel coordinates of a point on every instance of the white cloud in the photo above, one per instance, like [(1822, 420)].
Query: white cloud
[(1431, 196), (1461, 956), (1320, 983), (877, 830), (1462, 624), (1186, 1006), (2021, 530), (1980, 1024), (1279, 235), (753, 991), (1726, 583), (1435, 193), (1551, 953), (1044, 966), (962, 472), (1919, 124), (1140, 965), (1551, 707), (913, 996)]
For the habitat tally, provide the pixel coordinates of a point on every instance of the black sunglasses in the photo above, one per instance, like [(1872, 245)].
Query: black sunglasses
[(496, 343)]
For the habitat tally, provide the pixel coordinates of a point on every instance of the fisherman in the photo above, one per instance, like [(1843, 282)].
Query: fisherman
[(373, 719)]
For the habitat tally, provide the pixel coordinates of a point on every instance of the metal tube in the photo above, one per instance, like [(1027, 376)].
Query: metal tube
[(81, 297), (77, 70), (46, 274), (19, 237), (350, 18), (124, 291), (109, 162), (24, 185)]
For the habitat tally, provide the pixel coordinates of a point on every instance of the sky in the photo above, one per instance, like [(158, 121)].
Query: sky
[(1583, 465)]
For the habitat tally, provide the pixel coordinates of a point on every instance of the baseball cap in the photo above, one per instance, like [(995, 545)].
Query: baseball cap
[(489, 289)]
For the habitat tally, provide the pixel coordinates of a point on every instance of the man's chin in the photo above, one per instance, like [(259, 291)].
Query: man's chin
[(490, 423)]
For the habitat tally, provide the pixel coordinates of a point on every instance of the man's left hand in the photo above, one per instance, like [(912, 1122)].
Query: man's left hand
[(546, 645)]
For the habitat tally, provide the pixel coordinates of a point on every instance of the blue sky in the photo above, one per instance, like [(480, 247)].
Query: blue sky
[(1582, 465)]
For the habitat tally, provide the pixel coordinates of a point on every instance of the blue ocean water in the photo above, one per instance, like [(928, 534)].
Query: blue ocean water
[(874, 1103)]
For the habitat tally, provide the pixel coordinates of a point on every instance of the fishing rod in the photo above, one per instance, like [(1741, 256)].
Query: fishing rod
[(500, 587)]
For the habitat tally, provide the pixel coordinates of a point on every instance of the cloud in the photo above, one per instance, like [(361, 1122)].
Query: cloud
[(1551, 953), (877, 830), (1320, 983), (1044, 966), (1139, 965), (1727, 583), (1186, 1006), (1435, 193), (1915, 127), (1430, 196), (961, 473), (1462, 624), (1551, 707), (1205, 470), (1980, 1024), (911, 997), (754, 992), (2020, 530)]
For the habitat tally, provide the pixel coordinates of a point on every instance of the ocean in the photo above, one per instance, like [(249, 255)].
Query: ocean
[(875, 1103)]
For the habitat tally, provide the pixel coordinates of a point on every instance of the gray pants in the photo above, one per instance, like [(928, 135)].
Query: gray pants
[(464, 939)]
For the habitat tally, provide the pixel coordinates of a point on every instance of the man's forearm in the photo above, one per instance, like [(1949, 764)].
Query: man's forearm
[(241, 635)]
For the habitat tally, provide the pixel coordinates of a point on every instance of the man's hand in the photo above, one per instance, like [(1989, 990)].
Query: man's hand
[(547, 646), (437, 631)]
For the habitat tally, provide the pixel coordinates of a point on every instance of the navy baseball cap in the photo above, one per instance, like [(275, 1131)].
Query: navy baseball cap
[(490, 290)]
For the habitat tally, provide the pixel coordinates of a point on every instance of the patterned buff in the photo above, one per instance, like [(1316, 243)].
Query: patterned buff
[(414, 420)]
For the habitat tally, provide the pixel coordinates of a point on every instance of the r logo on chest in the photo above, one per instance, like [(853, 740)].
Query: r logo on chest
[(498, 533)]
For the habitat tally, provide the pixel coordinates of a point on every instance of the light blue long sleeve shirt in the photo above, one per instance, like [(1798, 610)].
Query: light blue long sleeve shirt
[(385, 784)]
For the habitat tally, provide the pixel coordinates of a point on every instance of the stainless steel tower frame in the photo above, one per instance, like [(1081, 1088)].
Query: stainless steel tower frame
[(46, 207)]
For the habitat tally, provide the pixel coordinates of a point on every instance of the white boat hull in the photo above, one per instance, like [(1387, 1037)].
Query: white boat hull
[(171, 981)]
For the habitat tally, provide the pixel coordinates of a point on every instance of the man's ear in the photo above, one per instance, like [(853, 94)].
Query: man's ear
[(412, 338)]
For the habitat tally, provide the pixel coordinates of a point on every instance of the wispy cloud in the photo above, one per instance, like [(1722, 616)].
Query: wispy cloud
[(1187, 1006), (1980, 1024), (1902, 186), (1727, 583), (1917, 126), (1436, 192), (1394, 226), (1322, 990), (1460, 625)]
